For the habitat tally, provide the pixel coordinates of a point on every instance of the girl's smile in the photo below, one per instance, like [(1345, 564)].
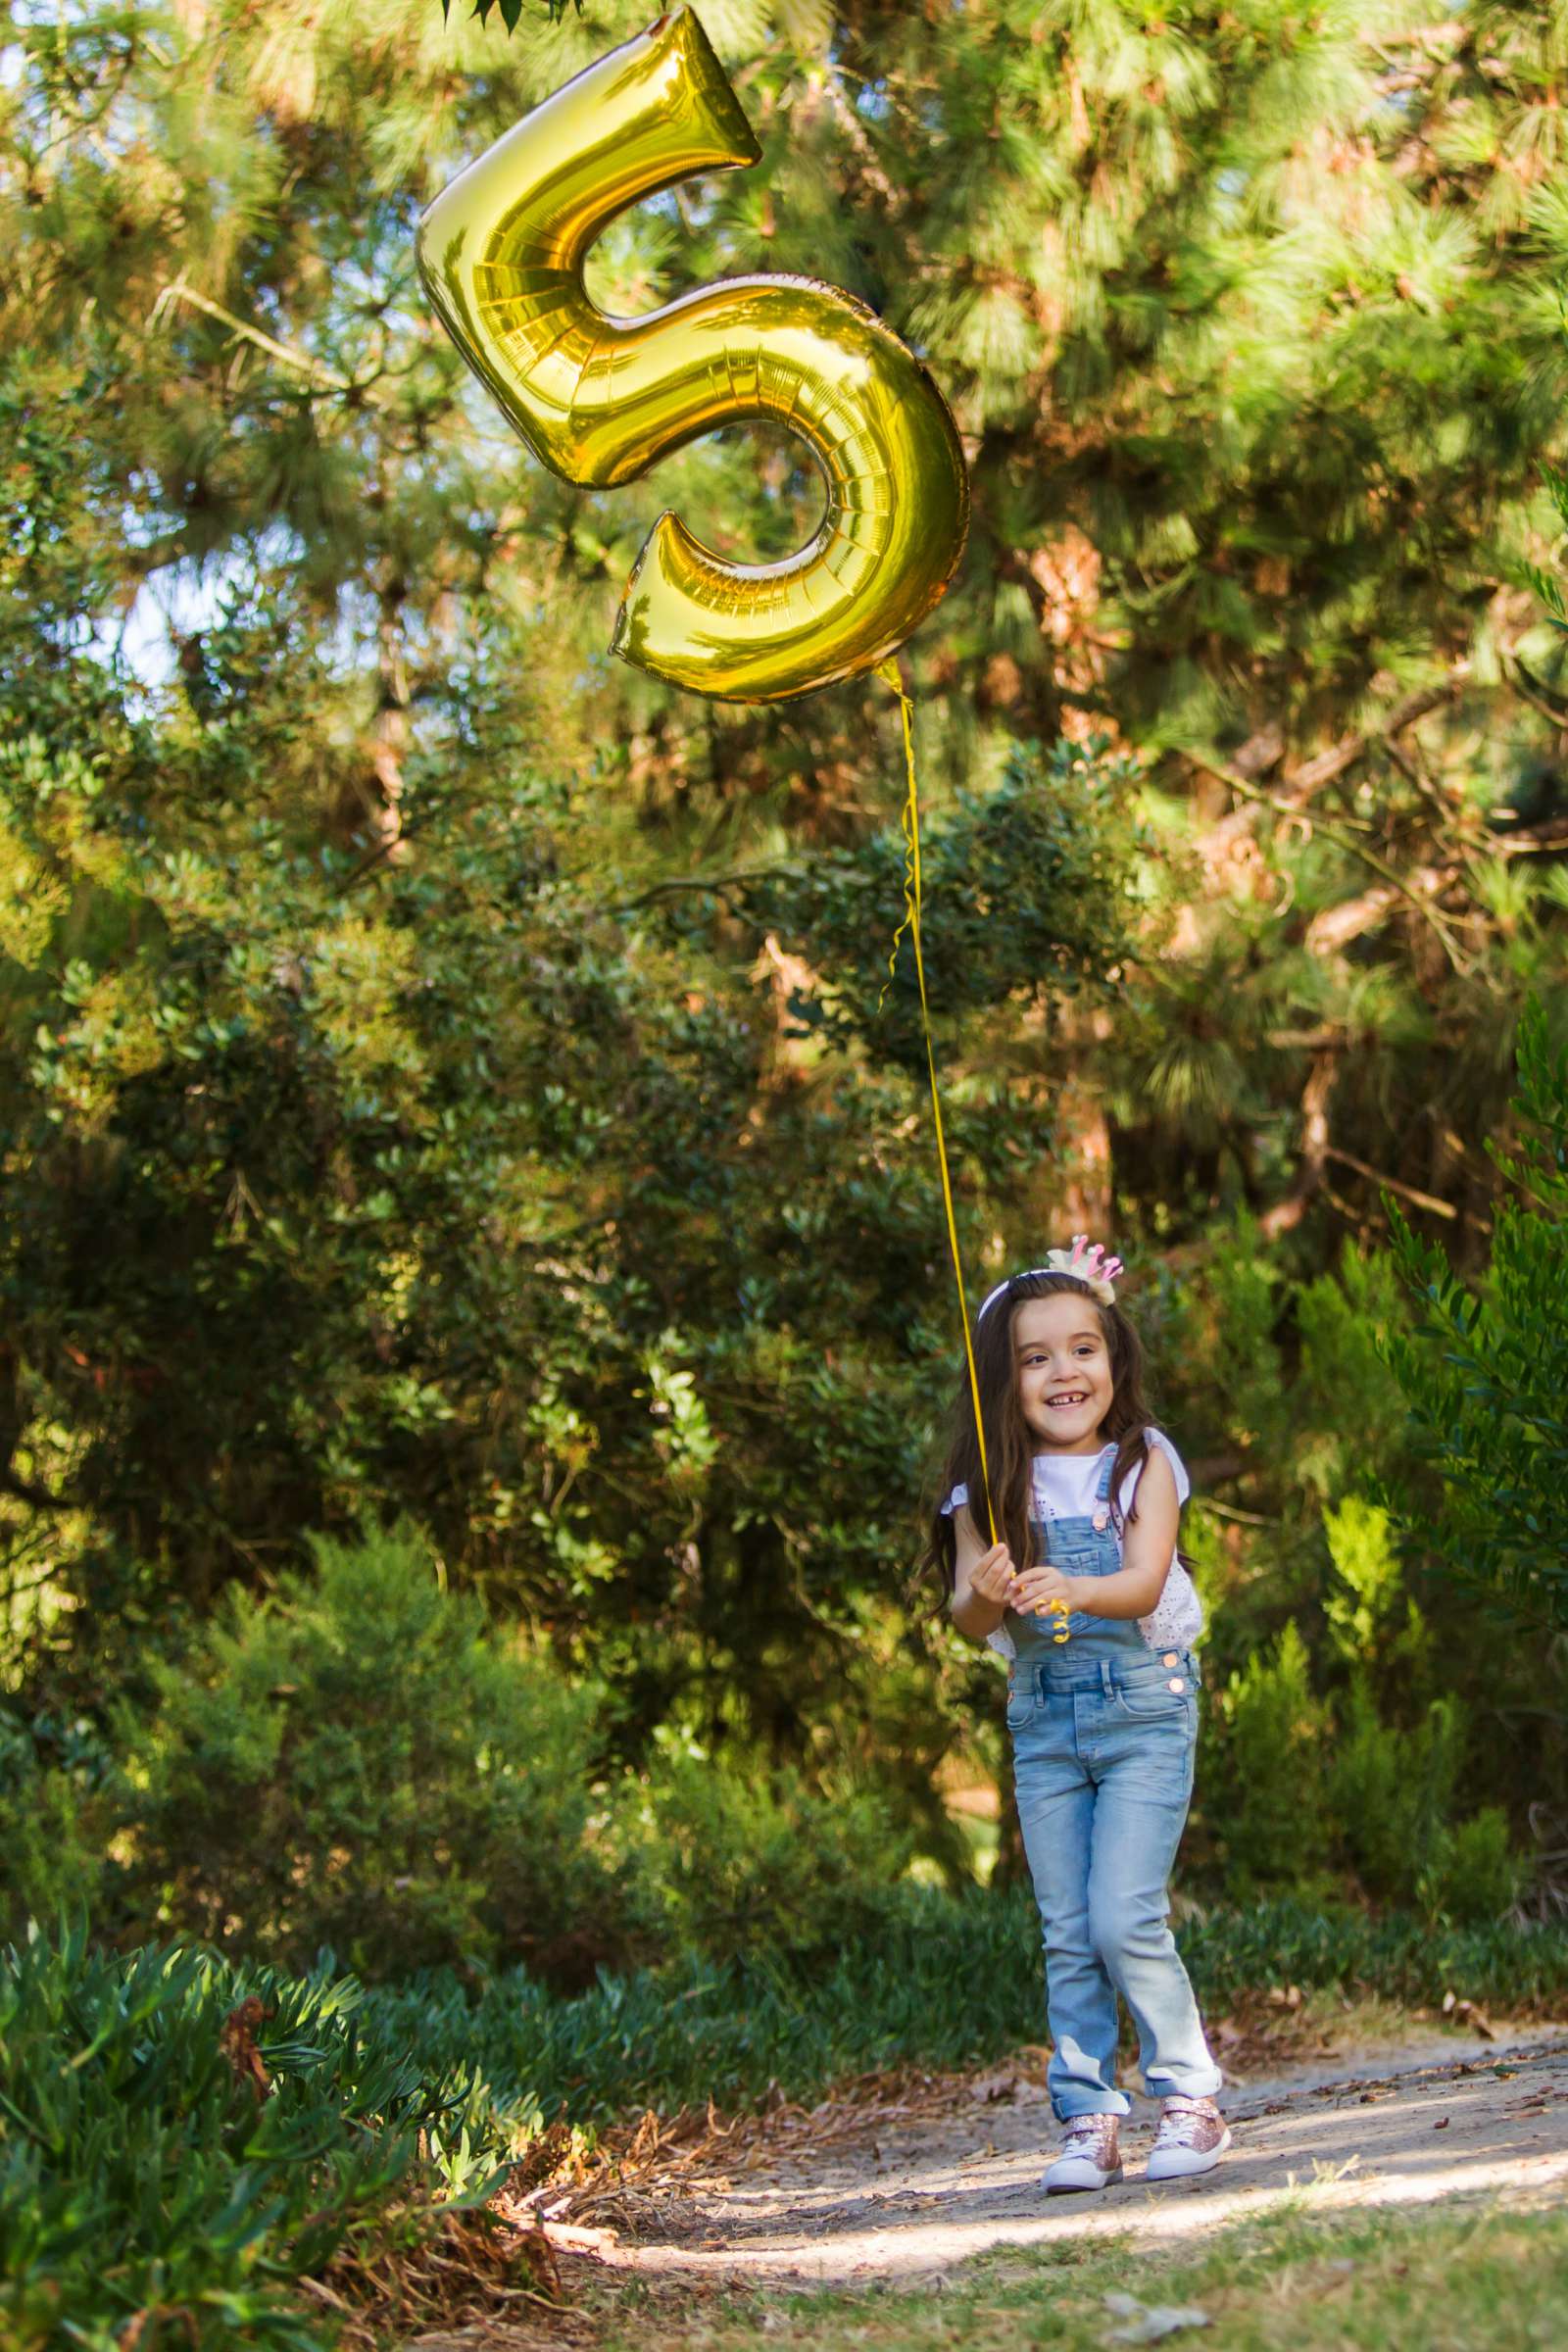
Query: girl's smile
[(1064, 1376)]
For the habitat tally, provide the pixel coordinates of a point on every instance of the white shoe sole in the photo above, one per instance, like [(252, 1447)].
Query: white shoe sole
[(1077, 2173), (1181, 2164)]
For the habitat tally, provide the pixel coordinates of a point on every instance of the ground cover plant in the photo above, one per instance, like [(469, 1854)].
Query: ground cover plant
[(182, 2141), (672, 2038)]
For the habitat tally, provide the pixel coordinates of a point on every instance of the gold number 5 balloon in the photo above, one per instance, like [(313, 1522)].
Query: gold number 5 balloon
[(600, 400)]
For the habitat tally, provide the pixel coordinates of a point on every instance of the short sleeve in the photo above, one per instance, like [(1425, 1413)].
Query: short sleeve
[(955, 1501), (1184, 1484)]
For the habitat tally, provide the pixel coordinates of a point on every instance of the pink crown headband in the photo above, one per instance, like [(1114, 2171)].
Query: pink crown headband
[(1086, 1261)]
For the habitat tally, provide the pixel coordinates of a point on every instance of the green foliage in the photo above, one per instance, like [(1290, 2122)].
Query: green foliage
[(1393, 1794), (1268, 1769), (1477, 1874), (1224, 1331), (1392, 1797), (1300, 1787), (442, 1073), (1344, 1388), (736, 1861), (675, 2036), (509, 11), (1371, 1579), (1397, 1956), (147, 2181), (51, 1854), (353, 1761), (1485, 1377), (1029, 893)]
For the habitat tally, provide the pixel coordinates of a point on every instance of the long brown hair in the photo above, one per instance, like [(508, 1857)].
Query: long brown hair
[(1009, 1443)]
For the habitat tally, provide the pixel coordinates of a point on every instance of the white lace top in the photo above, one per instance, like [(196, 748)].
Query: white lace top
[(1065, 1489)]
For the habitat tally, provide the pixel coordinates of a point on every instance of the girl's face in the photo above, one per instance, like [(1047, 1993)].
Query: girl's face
[(1063, 1366)]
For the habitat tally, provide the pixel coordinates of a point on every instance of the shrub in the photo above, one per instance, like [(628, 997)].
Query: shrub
[(943, 1981), (1266, 1757), (1369, 1582), (1478, 1875), (1391, 1796), (1346, 1388), (165, 2155), (53, 1823), (738, 1864), (356, 1762), (1486, 1379), (1391, 1793)]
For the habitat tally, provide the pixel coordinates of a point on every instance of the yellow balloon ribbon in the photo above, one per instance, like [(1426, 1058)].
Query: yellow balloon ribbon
[(600, 400), (888, 671)]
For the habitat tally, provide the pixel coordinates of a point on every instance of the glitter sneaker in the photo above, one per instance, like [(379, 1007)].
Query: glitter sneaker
[(1089, 2156), (1193, 2137)]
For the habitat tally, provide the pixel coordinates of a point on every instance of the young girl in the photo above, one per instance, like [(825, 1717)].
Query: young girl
[(1086, 1494)]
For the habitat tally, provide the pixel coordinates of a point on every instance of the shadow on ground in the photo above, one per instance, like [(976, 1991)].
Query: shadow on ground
[(918, 2191)]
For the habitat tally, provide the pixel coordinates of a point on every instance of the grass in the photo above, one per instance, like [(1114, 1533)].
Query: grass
[(1477, 2278)]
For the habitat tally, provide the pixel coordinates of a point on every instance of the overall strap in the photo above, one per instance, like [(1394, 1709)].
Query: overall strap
[(1106, 1504)]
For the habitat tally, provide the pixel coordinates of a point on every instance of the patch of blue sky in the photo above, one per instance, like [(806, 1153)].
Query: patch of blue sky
[(186, 599), (872, 99)]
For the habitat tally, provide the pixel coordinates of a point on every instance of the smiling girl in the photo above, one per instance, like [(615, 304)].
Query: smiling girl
[(1104, 1723)]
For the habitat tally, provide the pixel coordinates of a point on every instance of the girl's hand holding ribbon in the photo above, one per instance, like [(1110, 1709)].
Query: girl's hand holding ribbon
[(995, 1579), (993, 1576), (1040, 1588)]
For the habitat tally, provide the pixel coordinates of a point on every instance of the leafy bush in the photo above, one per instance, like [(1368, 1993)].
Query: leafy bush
[(735, 1864), (151, 2167), (1346, 1388), (357, 1762), (1486, 1379), (1265, 1756), (1292, 1781), (53, 1821), (1391, 1794), (1399, 1957), (1477, 1874), (1363, 1602)]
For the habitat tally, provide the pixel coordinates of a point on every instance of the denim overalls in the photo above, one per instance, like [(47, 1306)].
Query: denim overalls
[(1104, 1730)]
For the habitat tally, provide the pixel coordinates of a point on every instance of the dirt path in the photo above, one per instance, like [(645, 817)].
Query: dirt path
[(923, 2186)]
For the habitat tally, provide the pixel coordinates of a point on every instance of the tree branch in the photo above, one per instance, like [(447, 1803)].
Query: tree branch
[(1288, 1213), (1407, 1191), (300, 361), (714, 884), (1346, 839), (1312, 776)]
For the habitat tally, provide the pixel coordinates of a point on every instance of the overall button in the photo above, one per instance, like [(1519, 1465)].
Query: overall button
[(1169, 1659), (1175, 1682)]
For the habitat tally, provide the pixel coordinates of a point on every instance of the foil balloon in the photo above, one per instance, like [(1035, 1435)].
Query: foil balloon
[(600, 400)]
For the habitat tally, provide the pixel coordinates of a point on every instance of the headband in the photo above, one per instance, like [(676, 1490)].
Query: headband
[(1086, 1261)]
